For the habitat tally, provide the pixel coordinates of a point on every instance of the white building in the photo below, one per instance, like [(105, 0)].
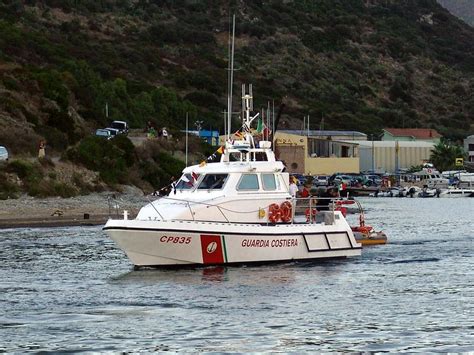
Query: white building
[(469, 148), (390, 156)]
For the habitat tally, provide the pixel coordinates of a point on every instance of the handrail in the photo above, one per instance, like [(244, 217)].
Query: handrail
[(311, 203), (152, 205)]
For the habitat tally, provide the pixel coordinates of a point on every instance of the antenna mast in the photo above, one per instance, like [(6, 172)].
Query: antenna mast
[(231, 80)]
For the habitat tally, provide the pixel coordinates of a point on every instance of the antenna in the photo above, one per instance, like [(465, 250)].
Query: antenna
[(231, 80), (187, 118), (308, 126)]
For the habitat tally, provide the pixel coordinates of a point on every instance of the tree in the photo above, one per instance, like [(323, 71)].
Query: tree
[(444, 154)]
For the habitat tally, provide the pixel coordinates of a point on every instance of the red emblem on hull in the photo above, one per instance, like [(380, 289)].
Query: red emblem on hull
[(211, 247)]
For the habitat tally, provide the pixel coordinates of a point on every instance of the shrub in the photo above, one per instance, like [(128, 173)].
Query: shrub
[(108, 158), (8, 189), (49, 188)]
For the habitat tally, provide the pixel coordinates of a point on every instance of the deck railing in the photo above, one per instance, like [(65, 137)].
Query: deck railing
[(304, 210)]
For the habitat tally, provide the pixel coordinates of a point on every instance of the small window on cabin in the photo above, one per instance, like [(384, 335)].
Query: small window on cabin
[(269, 183), (248, 182), (213, 181)]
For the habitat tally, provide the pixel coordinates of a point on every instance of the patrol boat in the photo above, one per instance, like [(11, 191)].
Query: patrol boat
[(235, 211)]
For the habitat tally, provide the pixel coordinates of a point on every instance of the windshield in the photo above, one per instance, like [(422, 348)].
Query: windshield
[(118, 125), (213, 181), (102, 133), (187, 181)]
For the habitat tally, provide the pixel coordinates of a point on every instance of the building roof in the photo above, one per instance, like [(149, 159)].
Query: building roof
[(418, 133), (316, 133)]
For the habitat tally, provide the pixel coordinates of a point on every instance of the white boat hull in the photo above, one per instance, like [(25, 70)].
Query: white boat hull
[(455, 193), (180, 243)]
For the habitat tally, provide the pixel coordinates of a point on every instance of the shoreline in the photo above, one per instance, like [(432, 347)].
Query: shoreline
[(87, 210), (54, 221)]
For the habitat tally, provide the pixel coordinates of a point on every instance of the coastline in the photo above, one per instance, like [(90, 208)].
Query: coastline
[(86, 210)]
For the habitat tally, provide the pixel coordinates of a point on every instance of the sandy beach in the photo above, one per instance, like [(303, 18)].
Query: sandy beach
[(93, 209)]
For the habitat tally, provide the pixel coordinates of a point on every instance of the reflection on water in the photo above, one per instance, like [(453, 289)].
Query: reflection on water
[(71, 289)]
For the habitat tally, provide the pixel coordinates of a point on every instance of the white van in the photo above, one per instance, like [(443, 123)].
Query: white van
[(121, 126), (3, 153)]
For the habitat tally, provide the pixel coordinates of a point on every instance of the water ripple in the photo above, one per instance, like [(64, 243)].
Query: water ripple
[(71, 290)]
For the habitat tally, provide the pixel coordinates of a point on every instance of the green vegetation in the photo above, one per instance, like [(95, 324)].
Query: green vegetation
[(362, 65), (111, 158), (444, 155)]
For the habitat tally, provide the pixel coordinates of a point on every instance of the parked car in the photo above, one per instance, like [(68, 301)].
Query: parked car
[(343, 179), (121, 126), (103, 132), (3, 153), (372, 180), (321, 180), (113, 131)]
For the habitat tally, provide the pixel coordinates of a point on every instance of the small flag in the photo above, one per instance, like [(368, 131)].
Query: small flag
[(220, 150), (238, 135), (260, 125), (195, 176)]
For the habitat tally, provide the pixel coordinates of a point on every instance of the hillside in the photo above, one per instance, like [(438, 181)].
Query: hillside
[(362, 65), (464, 9)]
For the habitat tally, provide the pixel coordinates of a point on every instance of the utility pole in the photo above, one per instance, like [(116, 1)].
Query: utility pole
[(373, 155)]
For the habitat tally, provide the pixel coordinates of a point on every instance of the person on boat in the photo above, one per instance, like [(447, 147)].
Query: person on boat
[(305, 191), (326, 198), (293, 187)]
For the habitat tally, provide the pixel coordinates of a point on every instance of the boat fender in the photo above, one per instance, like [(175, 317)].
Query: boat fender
[(310, 214), (274, 213), (285, 211)]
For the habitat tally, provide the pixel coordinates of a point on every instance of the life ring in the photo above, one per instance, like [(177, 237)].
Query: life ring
[(285, 211), (429, 171), (310, 214), (274, 213)]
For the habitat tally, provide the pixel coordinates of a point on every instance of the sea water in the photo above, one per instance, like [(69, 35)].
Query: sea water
[(72, 289)]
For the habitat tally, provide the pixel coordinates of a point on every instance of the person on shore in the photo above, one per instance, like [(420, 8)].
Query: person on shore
[(42, 149), (164, 133)]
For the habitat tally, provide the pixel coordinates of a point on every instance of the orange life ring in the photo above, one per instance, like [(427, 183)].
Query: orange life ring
[(285, 211), (274, 213), (310, 214)]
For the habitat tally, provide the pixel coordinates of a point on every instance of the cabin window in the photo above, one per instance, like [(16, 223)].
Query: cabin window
[(213, 181), (269, 183), (187, 181), (248, 182)]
